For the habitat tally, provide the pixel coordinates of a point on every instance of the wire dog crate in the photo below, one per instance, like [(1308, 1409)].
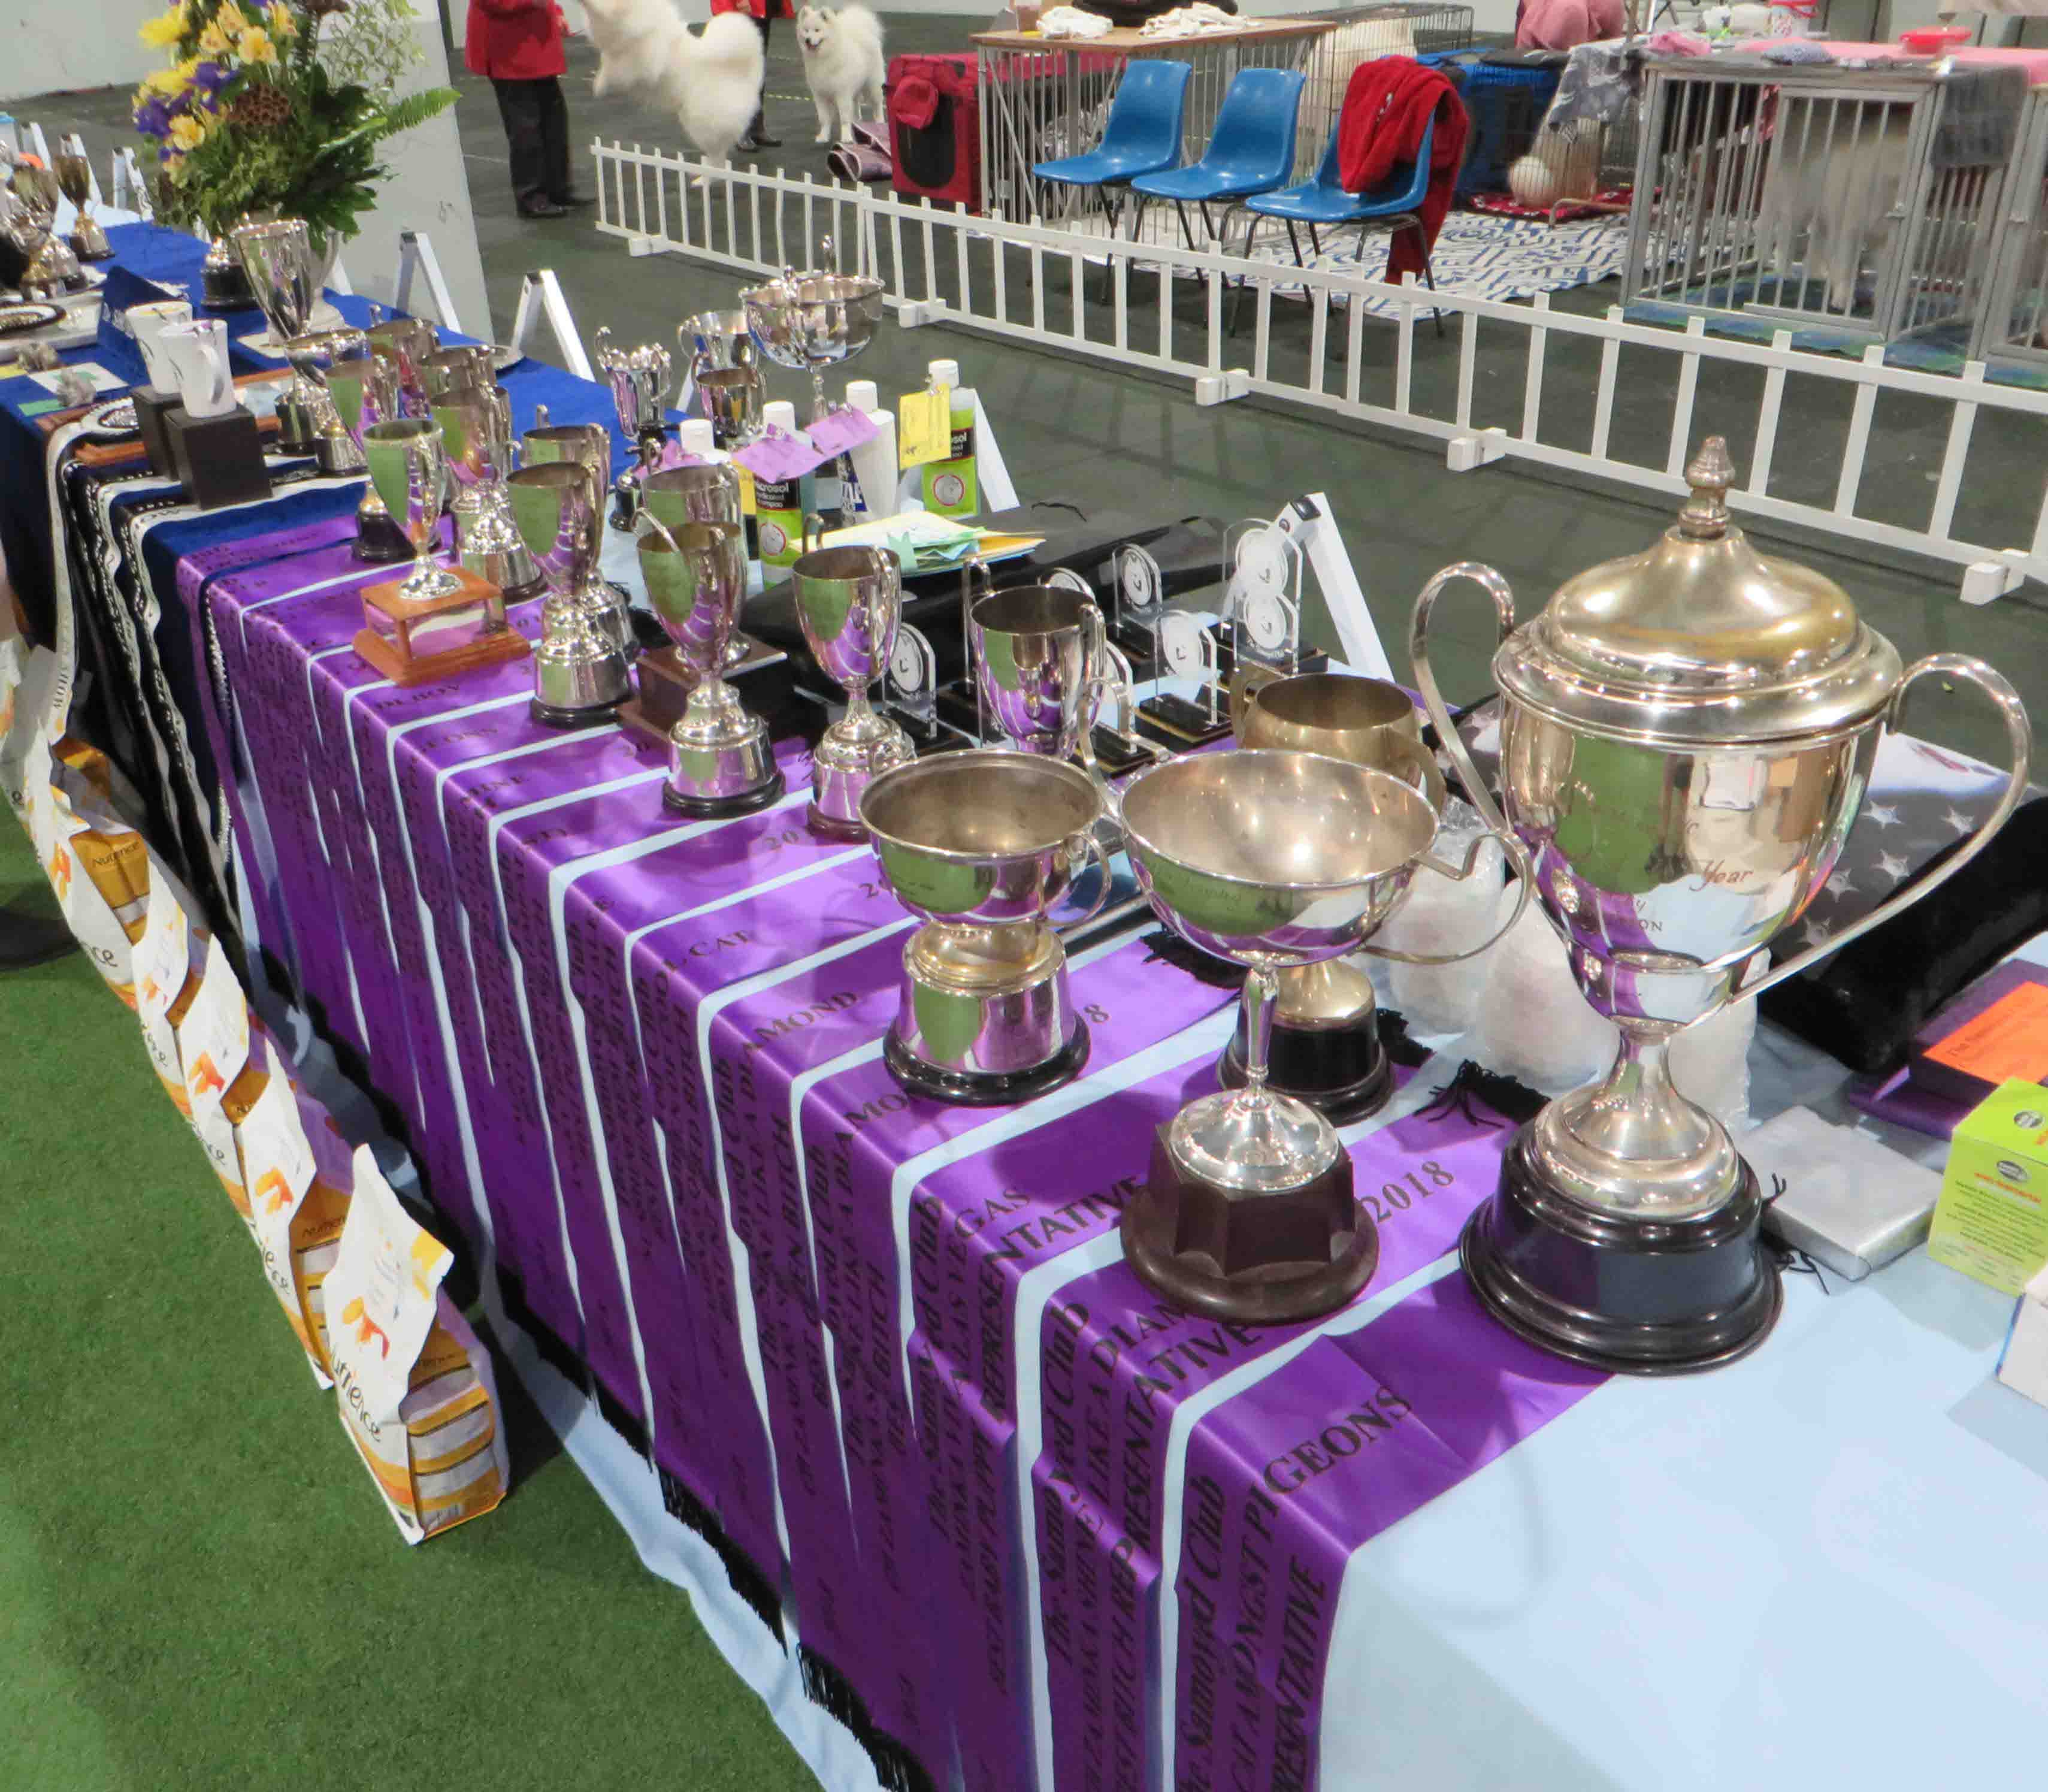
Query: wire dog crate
[(1861, 200), (1043, 99), (2014, 323)]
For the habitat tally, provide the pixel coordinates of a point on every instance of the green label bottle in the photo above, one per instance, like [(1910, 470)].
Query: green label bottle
[(951, 489)]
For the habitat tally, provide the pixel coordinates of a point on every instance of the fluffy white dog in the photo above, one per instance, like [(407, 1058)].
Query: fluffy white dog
[(843, 62), (711, 79)]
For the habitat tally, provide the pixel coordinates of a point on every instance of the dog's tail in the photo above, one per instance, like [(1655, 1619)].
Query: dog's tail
[(861, 23)]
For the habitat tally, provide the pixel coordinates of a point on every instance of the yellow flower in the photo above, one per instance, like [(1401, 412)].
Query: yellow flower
[(213, 41), (188, 132), (254, 45), (282, 24), (165, 80), (164, 30)]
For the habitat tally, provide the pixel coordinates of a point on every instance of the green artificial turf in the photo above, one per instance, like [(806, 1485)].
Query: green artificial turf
[(199, 1586)]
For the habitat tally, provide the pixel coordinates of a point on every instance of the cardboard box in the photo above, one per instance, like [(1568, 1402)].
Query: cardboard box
[(2023, 1365), (1991, 1221), (1996, 1028)]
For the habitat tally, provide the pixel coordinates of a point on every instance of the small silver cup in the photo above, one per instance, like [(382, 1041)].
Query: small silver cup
[(408, 466), (477, 426), (639, 381), (720, 762), (730, 399), (580, 675), (588, 445), (363, 387), (849, 602)]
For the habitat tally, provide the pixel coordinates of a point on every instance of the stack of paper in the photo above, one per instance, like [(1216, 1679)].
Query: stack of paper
[(924, 542)]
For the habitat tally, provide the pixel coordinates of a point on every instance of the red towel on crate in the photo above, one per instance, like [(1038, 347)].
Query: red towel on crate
[(1386, 105)]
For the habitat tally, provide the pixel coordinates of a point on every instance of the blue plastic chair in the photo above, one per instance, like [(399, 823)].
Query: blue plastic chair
[(1142, 137), (1251, 149), (1389, 206)]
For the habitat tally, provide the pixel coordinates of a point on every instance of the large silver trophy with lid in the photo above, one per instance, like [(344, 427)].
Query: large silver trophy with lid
[(1686, 738)]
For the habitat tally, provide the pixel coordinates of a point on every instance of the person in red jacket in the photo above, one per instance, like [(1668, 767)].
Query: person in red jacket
[(518, 44), (763, 13)]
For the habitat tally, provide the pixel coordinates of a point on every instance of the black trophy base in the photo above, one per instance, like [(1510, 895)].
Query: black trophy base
[(720, 808), (153, 407), (1343, 1073), (1115, 754), (218, 459), (224, 286), (985, 1088), (1263, 1258), (379, 542), (826, 827), (1636, 1296), (1185, 721), (955, 705), (563, 715)]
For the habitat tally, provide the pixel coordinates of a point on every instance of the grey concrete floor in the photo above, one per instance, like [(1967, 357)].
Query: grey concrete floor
[(1082, 431)]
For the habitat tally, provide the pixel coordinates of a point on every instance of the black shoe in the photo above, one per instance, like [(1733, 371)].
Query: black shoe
[(542, 208), (573, 202), (763, 141), (31, 935)]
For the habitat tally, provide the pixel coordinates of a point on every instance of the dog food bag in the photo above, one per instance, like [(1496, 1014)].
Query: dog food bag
[(416, 1389), (165, 981), (296, 1213), (213, 1048)]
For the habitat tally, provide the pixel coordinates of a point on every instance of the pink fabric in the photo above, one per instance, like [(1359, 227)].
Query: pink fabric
[(1564, 25)]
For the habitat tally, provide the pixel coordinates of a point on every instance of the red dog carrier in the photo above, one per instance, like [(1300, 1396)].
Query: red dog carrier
[(935, 127)]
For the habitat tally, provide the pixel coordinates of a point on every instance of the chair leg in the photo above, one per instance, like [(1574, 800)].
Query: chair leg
[(1316, 242), (1187, 235), (1294, 241), (1244, 282), (1430, 281)]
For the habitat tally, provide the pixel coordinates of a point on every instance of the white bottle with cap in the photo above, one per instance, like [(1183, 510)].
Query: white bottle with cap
[(697, 440), (780, 505)]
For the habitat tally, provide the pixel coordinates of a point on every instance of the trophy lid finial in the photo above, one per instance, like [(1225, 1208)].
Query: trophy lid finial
[(1710, 474)]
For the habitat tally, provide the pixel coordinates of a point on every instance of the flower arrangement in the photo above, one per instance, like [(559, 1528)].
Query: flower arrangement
[(260, 112)]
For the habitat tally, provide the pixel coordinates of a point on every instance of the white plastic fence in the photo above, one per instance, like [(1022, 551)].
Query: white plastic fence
[(1170, 312)]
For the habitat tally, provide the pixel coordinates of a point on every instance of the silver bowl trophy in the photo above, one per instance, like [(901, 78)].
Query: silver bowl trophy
[(712, 342), (639, 381), (849, 604), (408, 463), (809, 322), (1326, 1047), (278, 258), (588, 445), (981, 845), (468, 367), (363, 387), (1272, 860), (1686, 738), (580, 674), (720, 762), (73, 169), (476, 425)]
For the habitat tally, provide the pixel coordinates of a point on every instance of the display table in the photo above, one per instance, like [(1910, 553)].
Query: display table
[(868, 1374)]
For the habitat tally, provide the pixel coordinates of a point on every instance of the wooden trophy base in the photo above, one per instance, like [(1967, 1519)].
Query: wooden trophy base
[(662, 686), (1263, 1258), (396, 661)]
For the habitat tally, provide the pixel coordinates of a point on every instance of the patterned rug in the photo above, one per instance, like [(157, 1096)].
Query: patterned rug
[(1491, 257)]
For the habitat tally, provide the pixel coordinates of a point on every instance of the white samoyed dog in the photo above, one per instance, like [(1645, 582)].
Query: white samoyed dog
[(710, 79), (843, 62)]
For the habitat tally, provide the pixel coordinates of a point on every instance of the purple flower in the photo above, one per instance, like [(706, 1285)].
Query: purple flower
[(153, 119), (210, 78)]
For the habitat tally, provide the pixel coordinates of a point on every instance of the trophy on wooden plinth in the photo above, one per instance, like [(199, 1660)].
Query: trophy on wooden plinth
[(438, 620)]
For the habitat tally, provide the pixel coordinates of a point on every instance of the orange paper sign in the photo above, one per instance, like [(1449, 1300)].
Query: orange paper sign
[(2009, 1038)]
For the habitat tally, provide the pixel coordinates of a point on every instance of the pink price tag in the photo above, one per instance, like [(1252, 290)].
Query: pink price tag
[(840, 432), (779, 456), (673, 455)]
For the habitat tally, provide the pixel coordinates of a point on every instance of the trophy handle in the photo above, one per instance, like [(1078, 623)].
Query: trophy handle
[(1496, 586), (814, 532), (1525, 881), (2019, 735), (655, 524), (1083, 846)]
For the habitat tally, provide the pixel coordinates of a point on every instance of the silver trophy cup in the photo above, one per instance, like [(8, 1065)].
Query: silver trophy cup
[(579, 675), (849, 602)]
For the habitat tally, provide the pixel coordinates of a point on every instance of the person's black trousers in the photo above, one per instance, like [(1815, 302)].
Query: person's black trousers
[(537, 131)]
